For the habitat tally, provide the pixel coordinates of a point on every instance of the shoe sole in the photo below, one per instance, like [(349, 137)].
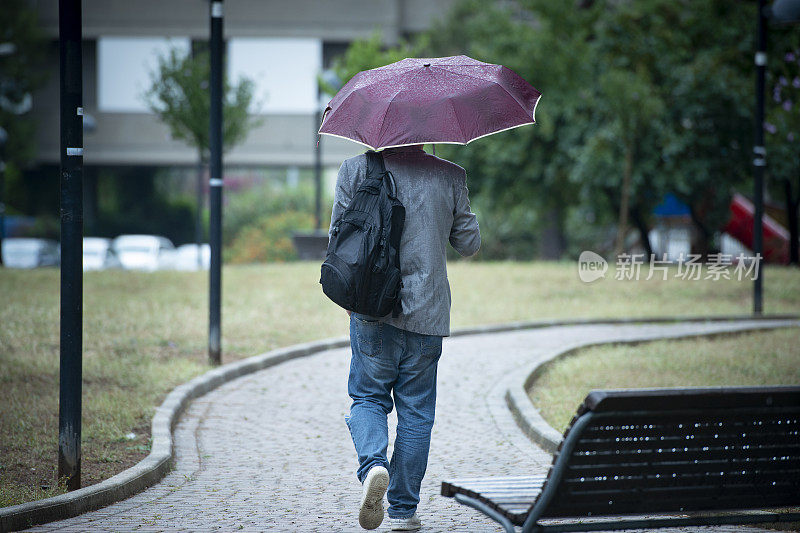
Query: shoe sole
[(370, 514)]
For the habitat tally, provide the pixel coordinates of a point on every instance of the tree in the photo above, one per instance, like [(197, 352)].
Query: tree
[(366, 54), (698, 144), (180, 97), (628, 111), (547, 44), (783, 137), (22, 49)]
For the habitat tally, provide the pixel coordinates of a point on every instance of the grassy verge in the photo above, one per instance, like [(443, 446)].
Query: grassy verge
[(759, 358), (146, 333)]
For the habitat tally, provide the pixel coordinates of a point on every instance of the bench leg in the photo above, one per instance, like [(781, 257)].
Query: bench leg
[(488, 511)]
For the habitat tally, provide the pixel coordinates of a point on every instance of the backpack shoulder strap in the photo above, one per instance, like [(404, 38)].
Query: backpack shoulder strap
[(375, 165)]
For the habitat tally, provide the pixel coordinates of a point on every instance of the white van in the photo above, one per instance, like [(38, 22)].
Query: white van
[(30, 253), (186, 257), (98, 254), (144, 252)]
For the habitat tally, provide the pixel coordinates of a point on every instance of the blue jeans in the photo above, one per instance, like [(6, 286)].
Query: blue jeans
[(388, 361)]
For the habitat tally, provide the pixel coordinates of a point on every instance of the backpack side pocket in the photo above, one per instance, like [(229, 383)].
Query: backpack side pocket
[(337, 283)]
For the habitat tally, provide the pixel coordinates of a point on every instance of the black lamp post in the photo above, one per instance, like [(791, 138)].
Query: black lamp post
[(215, 187), (71, 346), (3, 139), (780, 12)]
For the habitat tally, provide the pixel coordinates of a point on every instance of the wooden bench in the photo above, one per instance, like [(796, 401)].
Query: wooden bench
[(700, 456)]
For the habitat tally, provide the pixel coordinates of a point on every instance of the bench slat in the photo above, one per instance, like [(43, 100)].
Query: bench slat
[(502, 495), (700, 475), (682, 454), (472, 486), (664, 467), (695, 426), (511, 499), (496, 480), (501, 479), (695, 442)]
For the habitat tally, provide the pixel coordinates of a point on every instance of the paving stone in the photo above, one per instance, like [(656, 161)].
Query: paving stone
[(270, 451)]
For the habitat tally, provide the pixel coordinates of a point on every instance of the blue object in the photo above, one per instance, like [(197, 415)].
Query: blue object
[(15, 225), (670, 206)]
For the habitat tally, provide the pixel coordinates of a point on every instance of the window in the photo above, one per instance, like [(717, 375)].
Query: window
[(284, 71), (124, 67)]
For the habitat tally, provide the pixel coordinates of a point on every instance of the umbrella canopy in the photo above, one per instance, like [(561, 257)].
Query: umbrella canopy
[(451, 100)]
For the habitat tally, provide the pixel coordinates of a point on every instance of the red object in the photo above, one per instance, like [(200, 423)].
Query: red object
[(740, 226), (451, 100)]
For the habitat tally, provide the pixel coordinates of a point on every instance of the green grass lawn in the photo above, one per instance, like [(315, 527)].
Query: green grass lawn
[(758, 358), (146, 333)]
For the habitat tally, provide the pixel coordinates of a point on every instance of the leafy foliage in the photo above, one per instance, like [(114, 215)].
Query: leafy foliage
[(259, 223), (180, 96), (269, 238), (366, 54), (783, 135), (783, 119), (245, 207), (21, 72)]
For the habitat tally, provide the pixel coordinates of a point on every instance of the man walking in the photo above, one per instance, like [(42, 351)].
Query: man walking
[(394, 359)]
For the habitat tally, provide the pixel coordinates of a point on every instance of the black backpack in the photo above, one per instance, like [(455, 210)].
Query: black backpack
[(361, 271)]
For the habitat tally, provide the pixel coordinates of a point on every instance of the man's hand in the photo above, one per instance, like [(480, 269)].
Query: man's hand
[(348, 312)]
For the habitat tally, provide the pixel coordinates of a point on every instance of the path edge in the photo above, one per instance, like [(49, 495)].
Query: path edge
[(155, 466), (535, 427)]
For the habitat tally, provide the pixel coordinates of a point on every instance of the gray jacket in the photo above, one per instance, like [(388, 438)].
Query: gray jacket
[(434, 193)]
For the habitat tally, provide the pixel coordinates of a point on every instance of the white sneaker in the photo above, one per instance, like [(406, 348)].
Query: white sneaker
[(370, 514), (406, 524)]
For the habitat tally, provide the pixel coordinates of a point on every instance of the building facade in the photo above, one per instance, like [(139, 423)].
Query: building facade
[(281, 45)]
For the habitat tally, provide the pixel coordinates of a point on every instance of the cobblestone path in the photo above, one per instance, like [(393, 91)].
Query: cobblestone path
[(271, 452)]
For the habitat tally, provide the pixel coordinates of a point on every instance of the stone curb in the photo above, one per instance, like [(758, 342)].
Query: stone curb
[(531, 422), (154, 467)]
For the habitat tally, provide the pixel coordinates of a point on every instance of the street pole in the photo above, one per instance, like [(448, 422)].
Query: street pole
[(317, 170), (759, 160), (69, 412), (215, 187), (3, 140), (198, 220)]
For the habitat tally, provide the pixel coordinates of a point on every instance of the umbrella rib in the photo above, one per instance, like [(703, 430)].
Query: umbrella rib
[(386, 112), (458, 120), (359, 79), (452, 106), (383, 122)]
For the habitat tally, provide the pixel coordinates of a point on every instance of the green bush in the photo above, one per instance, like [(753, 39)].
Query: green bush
[(269, 238), (245, 208)]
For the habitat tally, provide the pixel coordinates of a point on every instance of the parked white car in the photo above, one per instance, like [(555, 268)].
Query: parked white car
[(186, 257), (144, 252), (98, 254), (30, 253)]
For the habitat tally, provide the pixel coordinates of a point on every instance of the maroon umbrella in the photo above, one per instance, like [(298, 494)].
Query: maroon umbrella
[(435, 100)]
